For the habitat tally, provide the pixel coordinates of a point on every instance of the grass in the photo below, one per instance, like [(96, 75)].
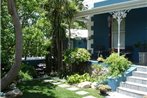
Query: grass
[(93, 92), (39, 89)]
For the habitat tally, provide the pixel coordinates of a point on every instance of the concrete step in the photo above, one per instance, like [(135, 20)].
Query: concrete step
[(131, 92), (134, 86), (117, 95), (142, 68), (140, 74), (139, 80)]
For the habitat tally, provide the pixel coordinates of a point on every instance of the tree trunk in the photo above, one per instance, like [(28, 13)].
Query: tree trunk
[(13, 72)]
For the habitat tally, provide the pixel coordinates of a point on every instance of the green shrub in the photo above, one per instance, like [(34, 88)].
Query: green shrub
[(117, 64), (24, 76), (27, 72), (29, 69), (76, 78), (76, 56), (99, 73), (96, 69)]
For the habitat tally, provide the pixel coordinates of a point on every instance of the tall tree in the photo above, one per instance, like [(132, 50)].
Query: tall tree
[(10, 76), (63, 12), (56, 9), (8, 39), (35, 27), (71, 10)]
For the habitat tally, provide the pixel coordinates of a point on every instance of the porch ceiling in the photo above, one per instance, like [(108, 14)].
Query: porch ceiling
[(132, 4)]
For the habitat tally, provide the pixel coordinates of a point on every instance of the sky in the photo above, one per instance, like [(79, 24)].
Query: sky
[(90, 3)]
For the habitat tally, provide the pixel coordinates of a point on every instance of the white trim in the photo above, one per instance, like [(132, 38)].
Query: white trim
[(133, 4), (90, 33), (119, 15)]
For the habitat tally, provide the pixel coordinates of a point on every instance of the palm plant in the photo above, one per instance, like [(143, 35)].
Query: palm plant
[(60, 13)]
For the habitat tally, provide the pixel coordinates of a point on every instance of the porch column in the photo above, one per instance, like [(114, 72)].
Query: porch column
[(90, 34), (119, 15)]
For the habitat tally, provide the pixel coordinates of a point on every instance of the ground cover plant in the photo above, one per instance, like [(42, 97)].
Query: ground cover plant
[(76, 78)]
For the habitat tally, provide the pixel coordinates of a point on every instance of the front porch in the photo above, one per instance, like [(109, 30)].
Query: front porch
[(133, 32), (125, 33)]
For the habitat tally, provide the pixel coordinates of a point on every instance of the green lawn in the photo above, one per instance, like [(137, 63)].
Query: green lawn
[(39, 89), (93, 92)]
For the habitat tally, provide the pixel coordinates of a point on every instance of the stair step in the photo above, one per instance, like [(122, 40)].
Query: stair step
[(140, 74), (139, 80), (117, 95), (134, 86), (142, 68), (131, 92)]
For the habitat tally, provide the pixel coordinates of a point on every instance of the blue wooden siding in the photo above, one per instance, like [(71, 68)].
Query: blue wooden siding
[(136, 31), (108, 2), (101, 31), (81, 43)]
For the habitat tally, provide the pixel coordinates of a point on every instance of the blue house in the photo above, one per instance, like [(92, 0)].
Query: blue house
[(117, 25), (79, 38)]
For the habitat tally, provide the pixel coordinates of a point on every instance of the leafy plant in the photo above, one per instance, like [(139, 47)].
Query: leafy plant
[(117, 64), (76, 78), (27, 72), (77, 55), (99, 73), (30, 69), (24, 76), (96, 69)]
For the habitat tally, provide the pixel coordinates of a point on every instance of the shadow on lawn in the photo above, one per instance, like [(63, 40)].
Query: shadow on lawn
[(38, 95), (37, 89)]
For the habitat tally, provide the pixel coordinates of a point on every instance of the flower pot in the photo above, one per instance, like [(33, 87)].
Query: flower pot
[(103, 91)]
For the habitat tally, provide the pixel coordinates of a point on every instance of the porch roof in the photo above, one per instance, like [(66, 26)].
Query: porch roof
[(128, 5)]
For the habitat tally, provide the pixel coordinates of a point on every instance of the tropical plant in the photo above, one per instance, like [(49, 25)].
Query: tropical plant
[(63, 12), (117, 64), (76, 56)]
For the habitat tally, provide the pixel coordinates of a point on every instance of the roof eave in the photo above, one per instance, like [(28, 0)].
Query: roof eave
[(134, 4)]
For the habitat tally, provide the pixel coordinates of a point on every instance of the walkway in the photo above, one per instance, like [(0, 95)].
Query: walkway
[(84, 94), (61, 83)]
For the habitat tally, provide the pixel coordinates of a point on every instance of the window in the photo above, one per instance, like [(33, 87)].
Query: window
[(114, 40)]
